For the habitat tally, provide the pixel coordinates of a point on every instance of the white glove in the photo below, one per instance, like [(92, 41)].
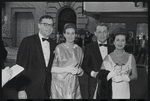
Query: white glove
[(125, 78), (118, 79), (111, 74)]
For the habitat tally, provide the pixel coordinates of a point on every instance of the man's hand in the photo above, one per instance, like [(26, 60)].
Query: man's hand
[(22, 95), (95, 74)]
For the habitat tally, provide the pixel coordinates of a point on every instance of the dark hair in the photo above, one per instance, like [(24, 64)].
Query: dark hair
[(144, 37), (45, 17), (102, 24), (119, 31), (69, 25)]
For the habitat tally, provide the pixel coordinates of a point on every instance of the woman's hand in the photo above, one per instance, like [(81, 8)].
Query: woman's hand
[(121, 78), (111, 74), (117, 79), (71, 69), (80, 71)]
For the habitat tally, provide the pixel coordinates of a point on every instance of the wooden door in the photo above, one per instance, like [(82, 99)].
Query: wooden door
[(25, 26)]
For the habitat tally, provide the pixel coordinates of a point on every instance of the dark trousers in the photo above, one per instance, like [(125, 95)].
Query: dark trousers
[(91, 88), (45, 94)]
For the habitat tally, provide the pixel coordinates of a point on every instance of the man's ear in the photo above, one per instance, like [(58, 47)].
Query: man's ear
[(38, 25), (76, 35), (108, 35), (95, 34)]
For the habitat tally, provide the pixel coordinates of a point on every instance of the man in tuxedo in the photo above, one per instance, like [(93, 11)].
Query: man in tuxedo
[(36, 55), (95, 52)]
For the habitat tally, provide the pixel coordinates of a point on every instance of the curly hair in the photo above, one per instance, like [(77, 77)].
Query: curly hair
[(119, 31), (45, 17), (102, 24)]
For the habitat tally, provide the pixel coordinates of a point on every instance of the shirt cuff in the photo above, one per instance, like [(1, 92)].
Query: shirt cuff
[(92, 73)]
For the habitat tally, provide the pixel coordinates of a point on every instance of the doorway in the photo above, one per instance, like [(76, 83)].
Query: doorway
[(25, 25), (66, 15)]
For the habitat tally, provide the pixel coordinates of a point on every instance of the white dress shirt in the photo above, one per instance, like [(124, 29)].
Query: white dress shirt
[(46, 49), (103, 50)]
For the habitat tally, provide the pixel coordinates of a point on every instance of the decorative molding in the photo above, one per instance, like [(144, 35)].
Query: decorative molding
[(59, 4), (67, 3), (73, 4)]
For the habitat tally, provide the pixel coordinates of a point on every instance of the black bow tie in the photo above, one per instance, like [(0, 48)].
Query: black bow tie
[(103, 45), (43, 39)]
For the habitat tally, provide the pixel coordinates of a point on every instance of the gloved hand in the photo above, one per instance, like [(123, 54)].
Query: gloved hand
[(80, 71), (121, 78), (125, 78), (71, 69), (111, 74)]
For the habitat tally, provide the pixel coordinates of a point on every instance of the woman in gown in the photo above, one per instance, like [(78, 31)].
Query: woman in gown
[(66, 67), (121, 66)]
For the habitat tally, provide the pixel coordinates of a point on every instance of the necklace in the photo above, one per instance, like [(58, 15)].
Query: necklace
[(119, 55)]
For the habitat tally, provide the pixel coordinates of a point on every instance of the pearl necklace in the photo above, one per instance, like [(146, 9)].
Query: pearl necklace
[(119, 55)]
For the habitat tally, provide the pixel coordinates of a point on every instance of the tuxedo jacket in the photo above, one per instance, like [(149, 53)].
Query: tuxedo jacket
[(36, 77), (92, 61)]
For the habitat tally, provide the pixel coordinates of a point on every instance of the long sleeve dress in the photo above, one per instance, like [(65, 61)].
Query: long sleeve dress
[(66, 85)]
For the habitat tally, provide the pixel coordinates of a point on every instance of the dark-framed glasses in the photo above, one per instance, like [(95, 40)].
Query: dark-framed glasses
[(47, 25)]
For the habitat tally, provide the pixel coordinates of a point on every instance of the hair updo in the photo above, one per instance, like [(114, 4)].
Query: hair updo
[(69, 25), (66, 26), (119, 31)]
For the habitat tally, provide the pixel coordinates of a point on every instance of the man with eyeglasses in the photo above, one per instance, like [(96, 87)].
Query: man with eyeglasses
[(36, 55), (94, 54)]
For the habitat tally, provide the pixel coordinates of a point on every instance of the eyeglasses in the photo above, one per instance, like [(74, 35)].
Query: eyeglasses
[(47, 25)]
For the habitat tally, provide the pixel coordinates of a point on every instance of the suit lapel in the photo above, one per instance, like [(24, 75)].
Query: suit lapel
[(50, 57), (41, 51), (108, 49), (39, 47), (51, 52), (96, 51)]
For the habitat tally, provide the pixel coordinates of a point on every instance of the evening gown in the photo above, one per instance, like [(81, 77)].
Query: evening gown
[(66, 85), (121, 90)]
